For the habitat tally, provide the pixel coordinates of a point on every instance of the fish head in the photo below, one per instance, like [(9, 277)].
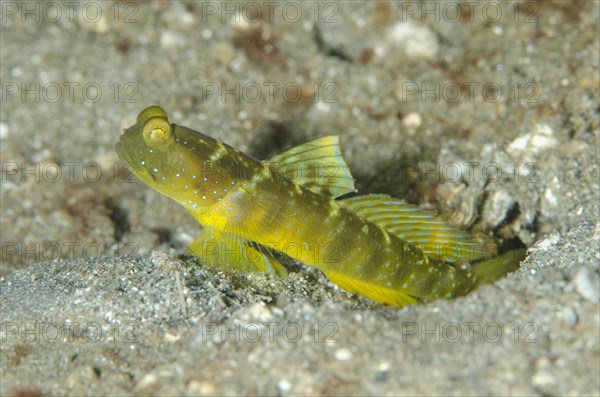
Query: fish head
[(179, 162), (145, 145)]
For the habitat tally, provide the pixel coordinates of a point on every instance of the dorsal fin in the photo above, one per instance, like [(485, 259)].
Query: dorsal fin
[(416, 226), (316, 165)]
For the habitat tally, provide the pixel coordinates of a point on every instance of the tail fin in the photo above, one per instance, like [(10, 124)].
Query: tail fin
[(490, 270)]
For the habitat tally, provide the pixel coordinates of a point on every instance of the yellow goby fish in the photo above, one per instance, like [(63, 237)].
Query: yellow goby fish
[(375, 245)]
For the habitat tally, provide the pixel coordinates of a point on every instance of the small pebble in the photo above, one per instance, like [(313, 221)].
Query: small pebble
[(284, 386), (585, 286), (343, 354)]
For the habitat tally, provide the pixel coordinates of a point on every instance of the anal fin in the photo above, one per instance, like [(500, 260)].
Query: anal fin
[(387, 296), (220, 250)]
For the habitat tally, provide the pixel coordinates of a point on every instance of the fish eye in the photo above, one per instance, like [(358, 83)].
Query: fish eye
[(157, 131), (152, 111)]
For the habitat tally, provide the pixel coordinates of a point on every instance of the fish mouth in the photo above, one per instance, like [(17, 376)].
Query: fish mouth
[(125, 155), (122, 153), (132, 161)]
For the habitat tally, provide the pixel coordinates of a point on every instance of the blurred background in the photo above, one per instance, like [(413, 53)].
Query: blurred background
[(484, 112)]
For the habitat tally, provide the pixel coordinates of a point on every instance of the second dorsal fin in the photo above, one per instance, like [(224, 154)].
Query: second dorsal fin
[(316, 165), (416, 226)]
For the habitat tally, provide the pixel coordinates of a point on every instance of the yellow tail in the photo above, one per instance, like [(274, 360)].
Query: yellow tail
[(493, 269)]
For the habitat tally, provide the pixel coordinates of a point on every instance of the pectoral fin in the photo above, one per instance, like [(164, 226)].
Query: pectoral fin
[(217, 249)]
